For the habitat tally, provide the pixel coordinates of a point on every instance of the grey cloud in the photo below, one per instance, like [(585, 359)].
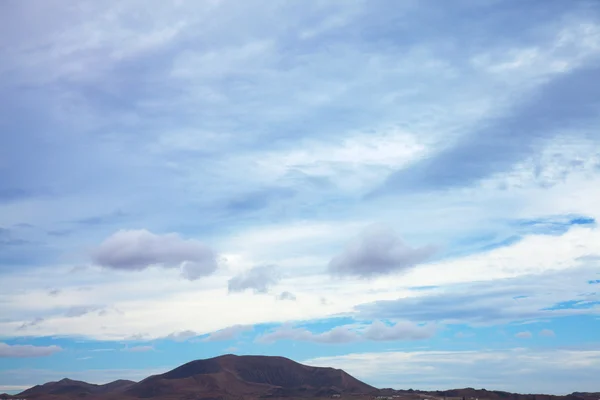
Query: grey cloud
[(59, 232), (286, 296), (377, 251), (7, 238), (523, 335), (259, 279), (26, 325), (139, 349), (54, 292), (567, 101), (259, 199), (79, 311), (547, 333), (136, 250), (101, 219), (26, 351), (525, 298), (228, 333)]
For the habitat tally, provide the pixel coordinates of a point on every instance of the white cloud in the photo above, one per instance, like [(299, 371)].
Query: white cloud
[(26, 350), (517, 370), (377, 331), (468, 292)]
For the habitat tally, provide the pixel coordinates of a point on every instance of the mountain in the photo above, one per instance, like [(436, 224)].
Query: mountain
[(231, 377), (234, 377), (69, 388), (225, 377)]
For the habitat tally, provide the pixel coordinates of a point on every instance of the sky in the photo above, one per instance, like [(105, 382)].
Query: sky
[(408, 190)]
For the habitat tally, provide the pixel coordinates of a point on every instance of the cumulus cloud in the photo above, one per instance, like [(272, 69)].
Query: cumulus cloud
[(135, 250), (523, 335), (376, 331), (228, 333), (286, 296), (259, 279), (26, 351), (377, 251)]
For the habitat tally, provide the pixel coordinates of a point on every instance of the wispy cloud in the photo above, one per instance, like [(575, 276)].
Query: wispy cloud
[(516, 369), (26, 350), (229, 333)]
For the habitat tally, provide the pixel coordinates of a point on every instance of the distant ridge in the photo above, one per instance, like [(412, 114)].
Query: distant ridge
[(69, 387), (231, 377)]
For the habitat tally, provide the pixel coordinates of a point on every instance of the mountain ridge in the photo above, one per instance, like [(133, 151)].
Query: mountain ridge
[(236, 377)]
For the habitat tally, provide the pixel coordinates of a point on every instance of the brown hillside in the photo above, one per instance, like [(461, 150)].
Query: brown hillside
[(233, 376)]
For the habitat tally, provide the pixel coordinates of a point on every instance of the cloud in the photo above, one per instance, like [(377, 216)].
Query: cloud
[(135, 250), (286, 296), (259, 199), (376, 331), (182, 336), (547, 333), (101, 219), (403, 330), (79, 311), (228, 333), (139, 349), (35, 322), (259, 279), (337, 335), (377, 251), (503, 141), (524, 335), (555, 371), (489, 303), (26, 351)]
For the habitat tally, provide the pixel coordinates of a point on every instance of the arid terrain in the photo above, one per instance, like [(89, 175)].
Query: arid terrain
[(232, 377)]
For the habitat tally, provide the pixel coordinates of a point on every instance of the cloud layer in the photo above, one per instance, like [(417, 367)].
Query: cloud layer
[(26, 350)]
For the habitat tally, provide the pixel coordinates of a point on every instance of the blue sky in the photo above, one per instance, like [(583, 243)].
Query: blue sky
[(407, 190)]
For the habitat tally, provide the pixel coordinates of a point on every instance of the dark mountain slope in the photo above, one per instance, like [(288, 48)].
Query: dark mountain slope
[(232, 376)]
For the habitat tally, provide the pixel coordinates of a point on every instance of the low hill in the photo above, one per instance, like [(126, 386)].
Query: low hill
[(71, 388)]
